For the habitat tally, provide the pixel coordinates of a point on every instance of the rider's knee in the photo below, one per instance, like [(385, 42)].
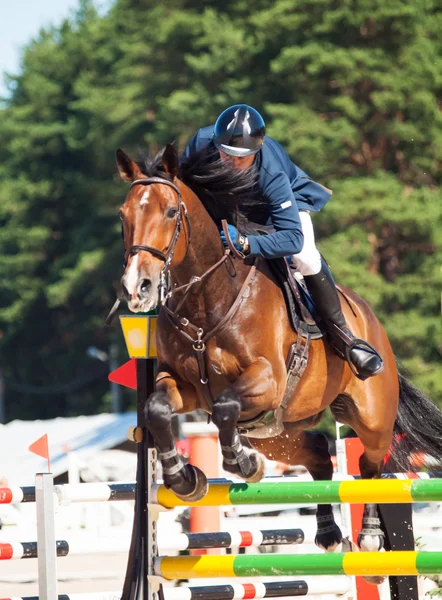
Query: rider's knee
[(308, 261)]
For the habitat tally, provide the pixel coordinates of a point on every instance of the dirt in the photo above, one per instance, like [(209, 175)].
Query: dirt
[(76, 574)]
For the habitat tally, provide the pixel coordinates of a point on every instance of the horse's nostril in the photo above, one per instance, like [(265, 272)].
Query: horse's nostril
[(145, 286)]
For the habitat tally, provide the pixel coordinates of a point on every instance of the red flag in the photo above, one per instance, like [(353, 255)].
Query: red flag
[(41, 447), (126, 374)]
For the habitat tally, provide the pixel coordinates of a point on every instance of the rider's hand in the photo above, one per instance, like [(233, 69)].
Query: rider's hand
[(239, 240)]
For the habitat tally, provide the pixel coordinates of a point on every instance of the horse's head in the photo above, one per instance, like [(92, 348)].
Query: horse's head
[(153, 215)]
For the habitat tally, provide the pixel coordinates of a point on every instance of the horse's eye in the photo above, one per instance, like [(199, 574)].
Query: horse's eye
[(171, 212), (120, 216)]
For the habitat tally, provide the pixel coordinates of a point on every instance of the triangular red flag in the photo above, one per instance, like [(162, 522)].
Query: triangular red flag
[(126, 374), (41, 447)]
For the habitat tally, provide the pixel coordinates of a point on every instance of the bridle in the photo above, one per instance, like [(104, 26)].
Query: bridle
[(166, 256)]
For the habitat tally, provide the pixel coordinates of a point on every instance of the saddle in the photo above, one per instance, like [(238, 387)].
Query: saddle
[(300, 306)]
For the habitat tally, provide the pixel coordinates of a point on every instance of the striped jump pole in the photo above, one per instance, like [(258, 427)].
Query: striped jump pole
[(67, 493), (17, 495), (74, 547), (362, 491), (235, 591), (19, 550), (426, 488), (80, 596), (183, 541), (274, 589), (275, 565), (232, 539)]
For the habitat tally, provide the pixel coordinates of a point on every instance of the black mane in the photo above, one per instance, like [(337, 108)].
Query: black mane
[(153, 166), (225, 192)]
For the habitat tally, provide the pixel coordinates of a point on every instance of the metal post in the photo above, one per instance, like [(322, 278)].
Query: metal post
[(341, 460), (143, 546), (154, 590), (346, 522), (47, 554), (115, 388)]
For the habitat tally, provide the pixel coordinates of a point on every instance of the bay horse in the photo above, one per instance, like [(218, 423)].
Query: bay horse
[(223, 338)]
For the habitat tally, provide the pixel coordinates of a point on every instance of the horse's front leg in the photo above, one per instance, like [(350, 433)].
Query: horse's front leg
[(186, 481), (255, 388)]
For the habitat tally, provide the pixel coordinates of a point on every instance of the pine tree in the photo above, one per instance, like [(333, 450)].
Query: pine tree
[(351, 89)]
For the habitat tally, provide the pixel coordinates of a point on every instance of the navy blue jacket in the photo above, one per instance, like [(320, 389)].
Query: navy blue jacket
[(287, 190)]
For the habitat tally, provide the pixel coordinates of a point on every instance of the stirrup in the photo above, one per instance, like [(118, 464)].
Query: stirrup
[(363, 345), (349, 343)]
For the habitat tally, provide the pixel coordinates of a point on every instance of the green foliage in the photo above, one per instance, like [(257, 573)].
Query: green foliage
[(352, 90)]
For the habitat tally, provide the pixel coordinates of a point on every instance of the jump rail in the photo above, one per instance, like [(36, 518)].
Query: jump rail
[(295, 490), (235, 591), (67, 493), (380, 491), (265, 565), (76, 546), (183, 541)]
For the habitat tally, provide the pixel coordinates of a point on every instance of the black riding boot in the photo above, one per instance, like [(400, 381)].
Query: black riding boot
[(363, 357)]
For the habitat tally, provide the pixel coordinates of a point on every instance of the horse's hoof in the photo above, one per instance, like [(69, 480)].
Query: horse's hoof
[(328, 538), (257, 461), (370, 543), (201, 486), (375, 580), (371, 536)]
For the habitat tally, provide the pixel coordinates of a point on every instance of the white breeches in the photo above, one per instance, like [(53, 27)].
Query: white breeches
[(308, 261)]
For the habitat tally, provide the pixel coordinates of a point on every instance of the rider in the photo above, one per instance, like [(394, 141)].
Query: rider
[(239, 136)]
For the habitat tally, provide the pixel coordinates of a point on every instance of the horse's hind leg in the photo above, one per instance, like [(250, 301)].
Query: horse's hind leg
[(315, 456), (376, 439), (371, 536), (310, 449), (371, 413)]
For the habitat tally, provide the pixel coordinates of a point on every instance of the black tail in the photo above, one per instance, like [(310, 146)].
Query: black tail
[(418, 428)]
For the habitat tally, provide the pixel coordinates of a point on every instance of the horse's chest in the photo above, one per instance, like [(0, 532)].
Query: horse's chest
[(220, 367)]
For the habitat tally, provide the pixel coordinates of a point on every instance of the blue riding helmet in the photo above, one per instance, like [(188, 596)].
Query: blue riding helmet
[(239, 131)]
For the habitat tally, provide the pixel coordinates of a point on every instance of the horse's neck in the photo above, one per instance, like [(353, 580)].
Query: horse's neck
[(217, 291)]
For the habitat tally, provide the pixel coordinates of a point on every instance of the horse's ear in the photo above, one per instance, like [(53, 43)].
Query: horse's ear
[(129, 170), (170, 160)]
